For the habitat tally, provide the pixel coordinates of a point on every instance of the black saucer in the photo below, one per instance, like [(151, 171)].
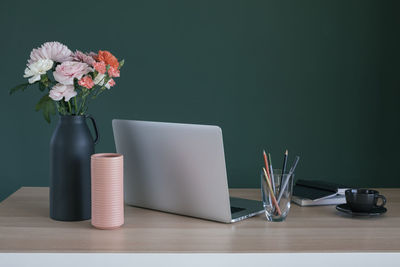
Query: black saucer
[(374, 212)]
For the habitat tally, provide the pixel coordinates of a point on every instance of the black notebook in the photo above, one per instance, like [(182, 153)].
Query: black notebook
[(317, 190)]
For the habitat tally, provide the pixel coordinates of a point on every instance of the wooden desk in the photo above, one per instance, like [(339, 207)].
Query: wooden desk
[(25, 226)]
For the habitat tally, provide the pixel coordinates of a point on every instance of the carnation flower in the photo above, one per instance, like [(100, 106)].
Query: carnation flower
[(112, 72), (51, 50), (111, 83), (108, 58), (92, 54), (100, 67), (86, 81), (69, 70), (100, 79), (84, 57), (36, 69), (60, 91)]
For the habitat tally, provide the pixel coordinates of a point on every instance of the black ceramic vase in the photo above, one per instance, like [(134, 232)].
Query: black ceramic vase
[(70, 149)]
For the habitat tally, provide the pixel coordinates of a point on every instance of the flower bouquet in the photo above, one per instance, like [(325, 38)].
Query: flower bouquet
[(70, 79)]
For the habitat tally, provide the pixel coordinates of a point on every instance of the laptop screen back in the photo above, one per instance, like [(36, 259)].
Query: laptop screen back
[(177, 168)]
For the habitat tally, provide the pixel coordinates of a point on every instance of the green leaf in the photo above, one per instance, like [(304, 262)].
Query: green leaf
[(47, 106), (51, 107), (46, 115), (22, 87), (48, 109), (42, 102), (121, 63)]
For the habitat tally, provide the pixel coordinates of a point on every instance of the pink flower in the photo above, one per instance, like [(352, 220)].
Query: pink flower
[(84, 57), (67, 71), (51, 50), (111, 83), (86, 81), (92, 54), (60, 91), (112, 72), (100, 67)]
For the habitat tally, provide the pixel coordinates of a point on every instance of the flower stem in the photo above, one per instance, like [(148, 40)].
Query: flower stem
[(76, 106), (83, 105), (103, 81), (70, 108), (61, 107)]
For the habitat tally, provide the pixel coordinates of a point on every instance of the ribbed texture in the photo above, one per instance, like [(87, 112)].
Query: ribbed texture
[(107, 190)]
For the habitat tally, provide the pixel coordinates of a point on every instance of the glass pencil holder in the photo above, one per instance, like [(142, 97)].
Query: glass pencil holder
[(276, 195)]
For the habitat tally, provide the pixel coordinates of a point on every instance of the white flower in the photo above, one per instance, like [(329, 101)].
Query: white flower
[(61, 90), (99, 80), (55, 51), (37, 68)]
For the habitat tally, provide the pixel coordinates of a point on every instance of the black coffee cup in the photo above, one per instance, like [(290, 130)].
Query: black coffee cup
[(363, 200)]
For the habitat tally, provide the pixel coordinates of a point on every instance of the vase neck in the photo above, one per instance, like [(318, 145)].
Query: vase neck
[(68, 119)]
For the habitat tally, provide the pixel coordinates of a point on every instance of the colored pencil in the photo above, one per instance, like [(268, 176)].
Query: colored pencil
[(266, 166), (291, 171), (274, 202)]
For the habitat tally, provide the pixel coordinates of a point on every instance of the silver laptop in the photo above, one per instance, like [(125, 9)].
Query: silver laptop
[(178, 168)]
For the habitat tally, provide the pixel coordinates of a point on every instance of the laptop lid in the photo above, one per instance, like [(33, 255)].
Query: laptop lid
[(173, 167)]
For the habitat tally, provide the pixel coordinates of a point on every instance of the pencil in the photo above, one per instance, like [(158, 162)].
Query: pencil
[(274, 202), (266, 166)]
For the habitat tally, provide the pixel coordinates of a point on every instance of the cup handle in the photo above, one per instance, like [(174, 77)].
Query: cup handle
[(96, 140), (383, 200)]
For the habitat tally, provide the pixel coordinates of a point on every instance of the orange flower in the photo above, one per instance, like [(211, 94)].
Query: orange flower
[(108, 58)]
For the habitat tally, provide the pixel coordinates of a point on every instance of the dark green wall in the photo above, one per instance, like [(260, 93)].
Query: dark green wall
[(320, 78)]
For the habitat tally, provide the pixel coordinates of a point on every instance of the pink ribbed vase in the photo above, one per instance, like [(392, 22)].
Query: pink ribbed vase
[(107, 171)]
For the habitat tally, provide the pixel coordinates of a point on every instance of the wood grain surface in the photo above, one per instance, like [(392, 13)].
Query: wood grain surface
[(25, 226)]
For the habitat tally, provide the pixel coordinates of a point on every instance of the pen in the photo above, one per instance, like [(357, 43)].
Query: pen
[(271, 171), (283, 169)]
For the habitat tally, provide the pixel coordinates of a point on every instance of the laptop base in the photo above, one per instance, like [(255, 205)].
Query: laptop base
[(244, 208)]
